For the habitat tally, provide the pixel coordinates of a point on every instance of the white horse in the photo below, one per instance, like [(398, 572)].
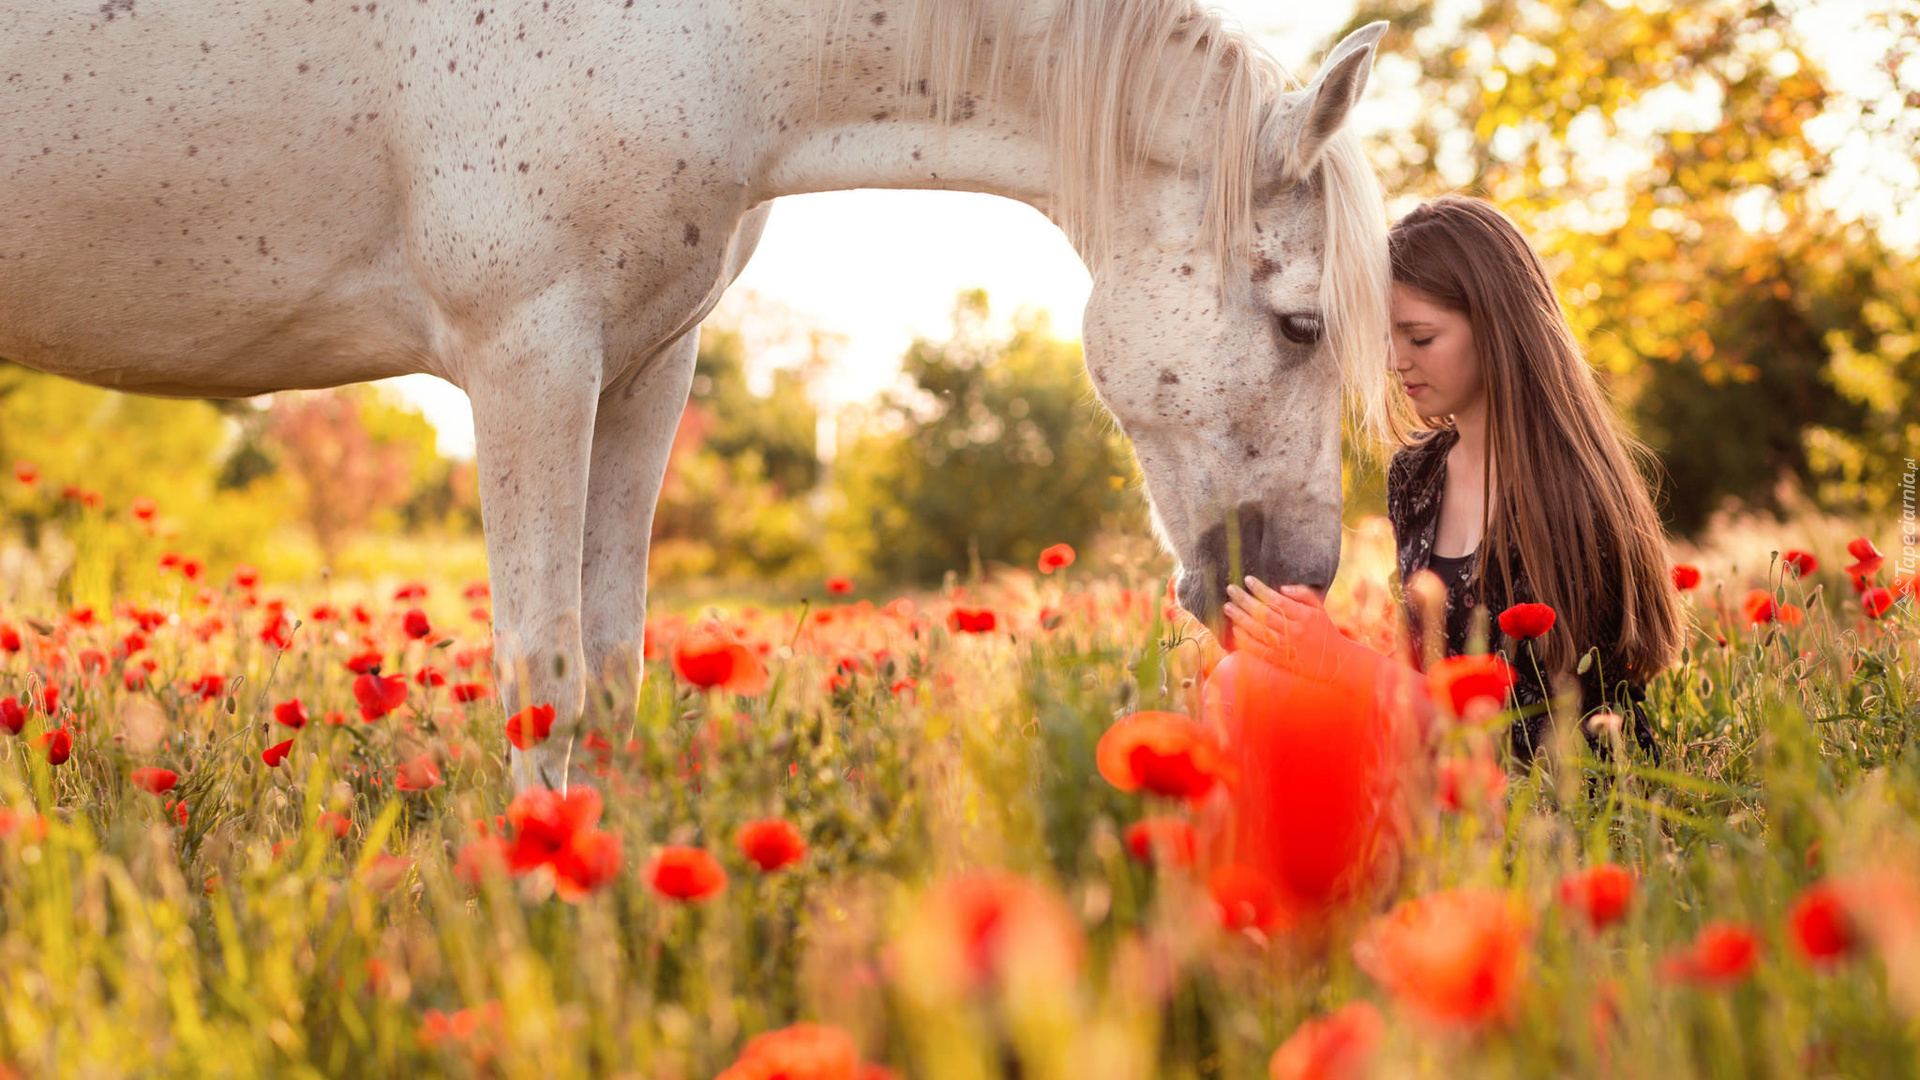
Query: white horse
[(539, 200)]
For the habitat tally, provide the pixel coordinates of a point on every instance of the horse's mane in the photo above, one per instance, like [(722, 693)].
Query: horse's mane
[(1102, 74)]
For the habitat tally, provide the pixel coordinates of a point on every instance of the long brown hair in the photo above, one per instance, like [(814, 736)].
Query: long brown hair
[(1568, 499)]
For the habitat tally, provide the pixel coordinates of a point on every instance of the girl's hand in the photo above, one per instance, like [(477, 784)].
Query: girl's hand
[(1290, 629)]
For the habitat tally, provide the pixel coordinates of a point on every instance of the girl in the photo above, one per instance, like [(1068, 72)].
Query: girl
[(1519, 485)]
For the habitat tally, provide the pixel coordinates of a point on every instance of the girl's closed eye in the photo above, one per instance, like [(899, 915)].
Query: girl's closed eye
[(1423, 342)]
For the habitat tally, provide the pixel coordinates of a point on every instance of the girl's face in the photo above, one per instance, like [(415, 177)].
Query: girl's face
[(1434, 354)]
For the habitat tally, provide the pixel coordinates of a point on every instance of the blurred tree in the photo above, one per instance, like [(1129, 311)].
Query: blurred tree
[(736, 503), (1659, 155), (778, 426), (997, 451), (353, 456)]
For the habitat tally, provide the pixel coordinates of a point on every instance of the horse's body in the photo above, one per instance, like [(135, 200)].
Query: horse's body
[(540, 200)]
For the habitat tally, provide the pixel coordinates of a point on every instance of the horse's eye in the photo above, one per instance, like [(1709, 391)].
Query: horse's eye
[(1301, 329)]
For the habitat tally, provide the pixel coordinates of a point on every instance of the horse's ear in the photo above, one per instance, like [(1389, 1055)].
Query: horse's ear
[(1310, 117)]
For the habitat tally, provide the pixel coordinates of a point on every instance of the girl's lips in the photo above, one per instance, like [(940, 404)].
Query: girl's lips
[(1415, 388)]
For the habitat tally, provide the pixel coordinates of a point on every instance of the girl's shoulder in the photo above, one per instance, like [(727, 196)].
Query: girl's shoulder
[(1421, 457)]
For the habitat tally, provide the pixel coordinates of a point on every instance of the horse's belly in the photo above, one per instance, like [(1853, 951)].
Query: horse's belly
[(194, 197)]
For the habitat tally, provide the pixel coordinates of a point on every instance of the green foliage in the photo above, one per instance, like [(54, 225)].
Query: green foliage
[(122, 447), (1659, 154), (778, 427), (739, 498), (998, 451)]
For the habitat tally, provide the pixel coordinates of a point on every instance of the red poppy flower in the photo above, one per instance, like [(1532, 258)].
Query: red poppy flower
[(416, 625), (1314, 771), (81, 616), (1760, 607), (981, 931), (365, 663), (154, 779), (429, 676), (26, 472), (323, 613), (1802, 563), (417, 774), (50, 699), (482, 859), (332, 821), (277, 632), (1056, 557), (12, 716), (464, 1026), (801, 1052), (686, 874), (478, 590), (192, 569), (1821, 927), (839, 586), (1723, 954), (1469, 783), (771, 844), (972, 621), (1600, 894), (246, 576), (1453, 957), (1523, 621), (559, 833), (1338, 1046), (1876, 601), (709, 656), (58, 745), (10, 639), (1161, 752), (1163, 839), (412, 590), (1243, 898), (379, 695), (530, 726), (468, 692), (208, 686), (277, 753), (1867, 558), (144, 508), (291, 714), (1459, 681)]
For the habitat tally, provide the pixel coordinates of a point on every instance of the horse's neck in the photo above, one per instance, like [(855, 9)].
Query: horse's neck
[(859, 129)]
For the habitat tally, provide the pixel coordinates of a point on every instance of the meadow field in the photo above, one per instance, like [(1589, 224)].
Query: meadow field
[(255, 831)]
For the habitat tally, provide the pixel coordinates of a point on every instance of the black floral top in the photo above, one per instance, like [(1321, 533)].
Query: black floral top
[(1416, 481)]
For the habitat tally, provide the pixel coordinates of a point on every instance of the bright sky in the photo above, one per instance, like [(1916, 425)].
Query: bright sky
[(876, 268)]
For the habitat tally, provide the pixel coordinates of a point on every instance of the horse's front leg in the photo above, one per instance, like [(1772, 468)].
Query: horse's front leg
[(535, 385), (632, 438)]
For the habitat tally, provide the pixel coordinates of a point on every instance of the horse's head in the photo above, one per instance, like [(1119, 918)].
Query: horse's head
[(1225, 366)]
